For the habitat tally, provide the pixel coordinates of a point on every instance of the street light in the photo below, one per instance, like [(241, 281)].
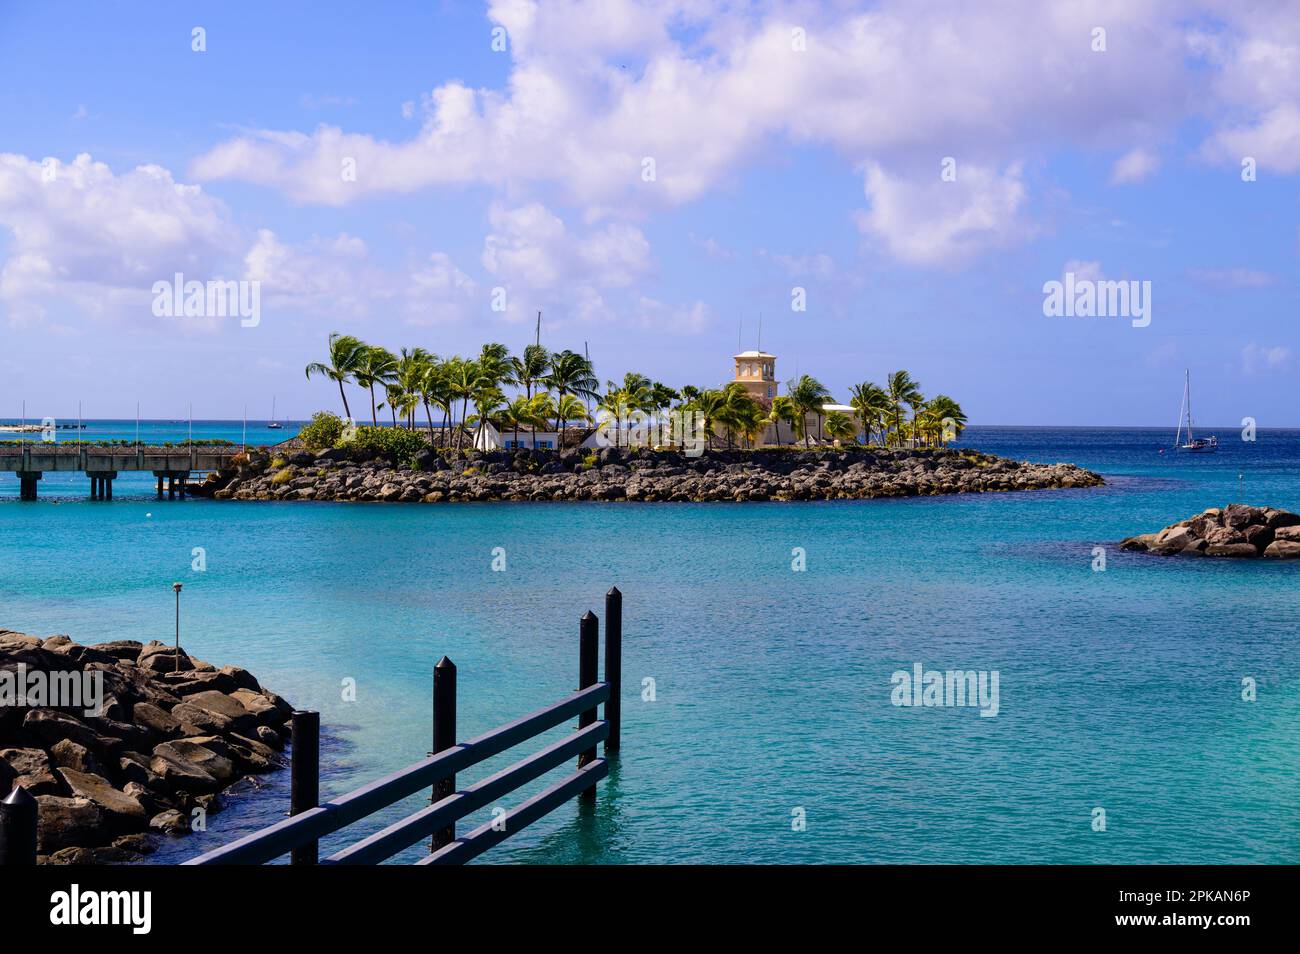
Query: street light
[(176, 660)]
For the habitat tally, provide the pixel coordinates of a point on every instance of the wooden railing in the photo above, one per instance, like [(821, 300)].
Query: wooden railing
[(311, 821)]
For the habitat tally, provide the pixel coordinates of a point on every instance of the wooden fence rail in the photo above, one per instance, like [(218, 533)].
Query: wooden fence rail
[(310, 821)]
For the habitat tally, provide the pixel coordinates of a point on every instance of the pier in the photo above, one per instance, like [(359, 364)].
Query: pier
[(172, 466)]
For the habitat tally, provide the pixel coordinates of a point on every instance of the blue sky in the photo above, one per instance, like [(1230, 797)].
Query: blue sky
[(780, 163)]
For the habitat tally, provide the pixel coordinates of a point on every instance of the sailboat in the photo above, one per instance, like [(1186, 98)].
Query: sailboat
[(273, 424), (1194, 445)]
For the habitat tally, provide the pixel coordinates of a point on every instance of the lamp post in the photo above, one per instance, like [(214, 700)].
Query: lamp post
[(176, 660)]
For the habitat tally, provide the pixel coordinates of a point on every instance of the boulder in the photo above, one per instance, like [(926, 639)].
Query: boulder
[(31, 769), (70, 755), (241, 720), (173, 822), (159, 657), (209, 762), (68, 822), (121, 648), (118, 807), (1231, 550), (178, 772), (1283, 550), (155, 720)]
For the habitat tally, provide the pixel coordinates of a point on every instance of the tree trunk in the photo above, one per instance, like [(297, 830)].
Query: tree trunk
[(347, 411)]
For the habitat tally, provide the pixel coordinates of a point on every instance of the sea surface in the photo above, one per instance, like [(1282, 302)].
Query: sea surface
[(756, 696)]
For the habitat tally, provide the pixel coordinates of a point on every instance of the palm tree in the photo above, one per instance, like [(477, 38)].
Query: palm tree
[(488, 401), (901, 390), (871, 404), (345, 358), (570, 373), (463, 380), (568, 408), (783, 409), (711, 404), (528, 370), (377, 366), (808, 395), (840, 426), (945, 409)]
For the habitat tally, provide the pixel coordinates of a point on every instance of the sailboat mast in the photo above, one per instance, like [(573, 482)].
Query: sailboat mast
[(1187, 390)]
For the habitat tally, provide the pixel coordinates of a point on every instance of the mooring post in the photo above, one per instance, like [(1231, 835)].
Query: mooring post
[(304, 776), (444, 737), (160, 486), (613, 665), (18, 828), (588, 651)]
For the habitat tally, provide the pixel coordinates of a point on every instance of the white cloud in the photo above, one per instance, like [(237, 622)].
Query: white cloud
[(598, 86), (91, 242), (933, 222), (101, 240), (1264, 359), (1134, 166)]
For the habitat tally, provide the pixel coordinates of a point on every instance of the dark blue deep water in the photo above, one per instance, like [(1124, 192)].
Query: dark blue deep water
[(1118, 689)]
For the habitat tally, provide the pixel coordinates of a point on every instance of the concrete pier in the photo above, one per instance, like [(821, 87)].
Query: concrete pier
[(102, 465)]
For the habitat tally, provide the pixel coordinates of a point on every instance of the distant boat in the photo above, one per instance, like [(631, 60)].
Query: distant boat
[(273, 424), (1193, 445)]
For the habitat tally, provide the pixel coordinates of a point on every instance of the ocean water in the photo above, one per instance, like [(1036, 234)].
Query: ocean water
[(1119, 689)]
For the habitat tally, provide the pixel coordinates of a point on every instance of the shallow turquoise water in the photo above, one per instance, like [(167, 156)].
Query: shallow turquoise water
[(1118, 689)]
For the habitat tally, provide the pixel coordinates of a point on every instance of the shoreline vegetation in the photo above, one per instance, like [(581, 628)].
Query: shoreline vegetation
[(629, 474), (123, 741), (559, 391)]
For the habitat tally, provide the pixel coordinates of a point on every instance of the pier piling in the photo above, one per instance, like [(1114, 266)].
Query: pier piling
[(613, 665), (304, 777), (588, 662), (444, 737), (18, 814)]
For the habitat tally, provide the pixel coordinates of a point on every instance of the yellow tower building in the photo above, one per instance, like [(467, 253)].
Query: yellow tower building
[(756, 370)]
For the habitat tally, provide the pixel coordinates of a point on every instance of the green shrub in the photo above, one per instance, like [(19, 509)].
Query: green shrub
[(282, 477), (589, 461), (324, 430), (396, 443)]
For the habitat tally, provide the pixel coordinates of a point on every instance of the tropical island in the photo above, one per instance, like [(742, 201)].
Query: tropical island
[(560, 437)]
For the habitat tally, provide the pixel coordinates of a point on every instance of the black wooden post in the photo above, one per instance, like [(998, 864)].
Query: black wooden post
[(444, 737), (18, 828), (304, 776), (613, 665), (588, 651)]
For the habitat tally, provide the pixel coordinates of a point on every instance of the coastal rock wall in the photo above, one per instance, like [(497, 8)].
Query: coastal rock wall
[(1237, 530), (635, 475), (115, 741)]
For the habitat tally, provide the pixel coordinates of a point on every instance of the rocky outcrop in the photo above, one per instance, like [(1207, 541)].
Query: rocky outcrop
[(636, 475), (1236, 530), (139, 754)]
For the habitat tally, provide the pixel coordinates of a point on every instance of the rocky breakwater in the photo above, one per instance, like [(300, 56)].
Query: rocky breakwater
[(1236, 530), (118, 747), (634, 475)]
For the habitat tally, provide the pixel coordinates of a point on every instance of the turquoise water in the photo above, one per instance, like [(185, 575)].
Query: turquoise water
[(1118, 689)]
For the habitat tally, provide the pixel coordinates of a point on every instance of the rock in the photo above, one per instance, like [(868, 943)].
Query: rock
[(1236, 531), (118, 807), (173, 822), (68, 822), (121, 649), (31, 769), (140, 844), (155, 720), (222, 704), (51, 726), (204, 720), (1231, 550), (218, 766), (68, 754), (262, 708), (242, 678), (269, 737), (180, 773), (1283, 550), (159, 657)]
